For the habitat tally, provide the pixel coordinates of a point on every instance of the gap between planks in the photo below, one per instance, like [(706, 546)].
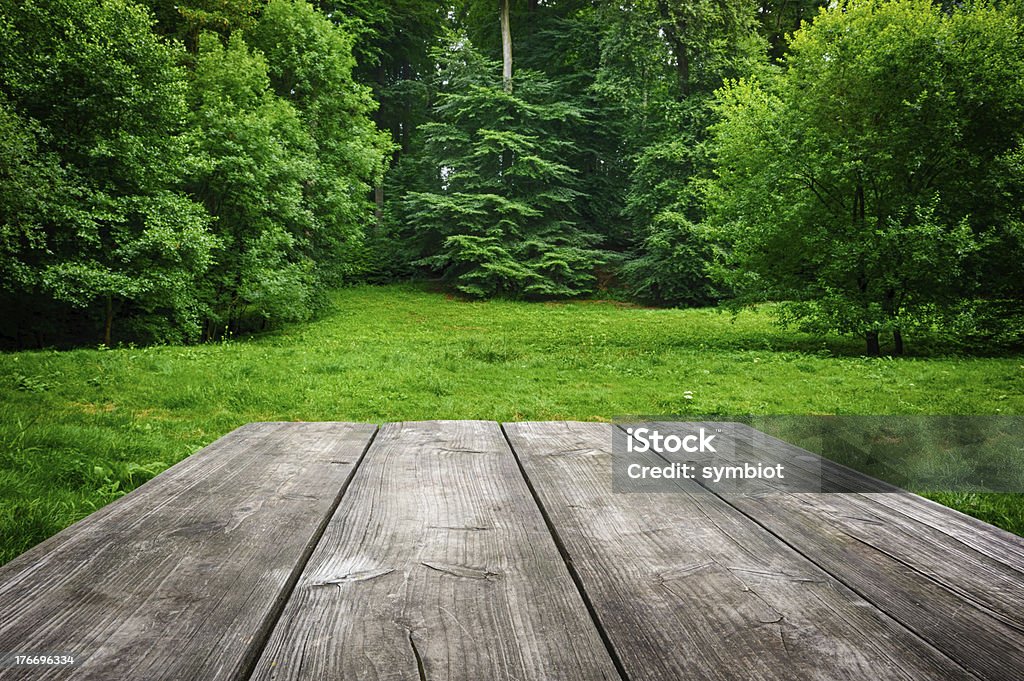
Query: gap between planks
[(567, 560), (183, 577), (261, 638)]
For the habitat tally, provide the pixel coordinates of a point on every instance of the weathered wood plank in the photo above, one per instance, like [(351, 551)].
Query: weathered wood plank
[(971, 554), (687, 587), (909, 558), (963, 554), (437, 565), (182, 578), (987, 539), (963, 530)]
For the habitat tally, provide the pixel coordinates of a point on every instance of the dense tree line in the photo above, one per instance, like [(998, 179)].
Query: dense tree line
[(185, 168), (173, 169), (860, 162)]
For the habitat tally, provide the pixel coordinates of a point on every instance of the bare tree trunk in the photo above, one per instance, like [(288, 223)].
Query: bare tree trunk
[(890, 308), (873, 348), (506, 68), (378, 200), (506, 46), (109, 321)]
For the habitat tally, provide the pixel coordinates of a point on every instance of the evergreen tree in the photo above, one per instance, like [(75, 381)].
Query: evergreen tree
[(499, 214)]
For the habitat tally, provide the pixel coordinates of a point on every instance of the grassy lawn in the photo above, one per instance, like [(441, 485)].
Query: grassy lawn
[(79, 428)]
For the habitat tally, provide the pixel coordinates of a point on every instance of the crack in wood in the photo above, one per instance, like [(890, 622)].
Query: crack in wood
[(780, 575), (463, 528), (582, 451), (461, 570), (682, 571), (860, 519), (361, 576), (782, 639), (420, 669)]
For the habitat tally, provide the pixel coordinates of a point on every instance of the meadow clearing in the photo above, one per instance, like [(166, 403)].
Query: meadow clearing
[(79, 428)]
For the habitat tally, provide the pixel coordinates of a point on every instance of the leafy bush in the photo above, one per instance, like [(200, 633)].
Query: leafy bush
[(181, 192), (672, 265), (89, 88)]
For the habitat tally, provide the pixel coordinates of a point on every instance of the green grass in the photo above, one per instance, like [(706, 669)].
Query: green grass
[(79, 428)]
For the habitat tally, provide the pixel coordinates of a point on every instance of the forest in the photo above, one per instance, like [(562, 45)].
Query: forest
[(178, 171)]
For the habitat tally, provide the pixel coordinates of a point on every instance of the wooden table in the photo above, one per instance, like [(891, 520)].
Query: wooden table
[(478, 551)]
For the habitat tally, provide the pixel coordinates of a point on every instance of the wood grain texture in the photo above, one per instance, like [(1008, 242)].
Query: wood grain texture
[(686, 587), (955, 581), (962, 530), (437, 565), (183, 577)]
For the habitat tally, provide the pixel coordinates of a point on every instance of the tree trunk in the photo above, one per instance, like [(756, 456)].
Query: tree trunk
[(108, 324), (675, 31), (378, 200), (889, 306), (873, 348), (506, 46), (682, 63), (506, 69)]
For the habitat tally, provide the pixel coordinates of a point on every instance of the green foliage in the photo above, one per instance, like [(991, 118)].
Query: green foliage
[(781, 18), (660, 63), (672, 267), (310, 65), (181, 193), (499, 215), (858, 181), (561, 41), (104, 102), (393, 48), (186, 20), (34, 190), (253, 158), (210, 165)]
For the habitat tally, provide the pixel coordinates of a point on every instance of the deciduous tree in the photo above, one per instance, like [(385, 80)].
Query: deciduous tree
[(859, 185), (102, 101)]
